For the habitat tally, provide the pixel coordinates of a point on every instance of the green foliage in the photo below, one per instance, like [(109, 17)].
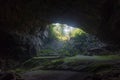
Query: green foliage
[(57, 62), (77, 32), (68, 41), (52, 35), (83, 63), (45, 52), (64, 32), (78, 63), (63, 52)]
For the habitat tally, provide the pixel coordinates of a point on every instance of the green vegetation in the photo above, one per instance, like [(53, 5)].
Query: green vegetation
[(77, 63), (83, 63), (45, 52), (65, 40), (64, 32)]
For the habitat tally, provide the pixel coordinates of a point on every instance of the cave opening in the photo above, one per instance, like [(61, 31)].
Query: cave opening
[(65, 32), (34, 48), (66, 41)]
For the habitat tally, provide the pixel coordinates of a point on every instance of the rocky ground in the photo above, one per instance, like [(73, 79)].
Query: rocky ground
[(54, 75), (69, 68), (71, 75), (86, 68)]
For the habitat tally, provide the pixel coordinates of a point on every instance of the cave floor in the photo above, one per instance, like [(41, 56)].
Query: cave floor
[(55, 75), (78, 68)]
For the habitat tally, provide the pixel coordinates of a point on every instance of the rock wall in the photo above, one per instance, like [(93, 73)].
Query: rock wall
[(23, 22), (99, 17), (22, 45)]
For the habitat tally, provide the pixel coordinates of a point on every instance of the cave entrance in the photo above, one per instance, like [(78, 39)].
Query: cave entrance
[(65, 40), (65, 32)]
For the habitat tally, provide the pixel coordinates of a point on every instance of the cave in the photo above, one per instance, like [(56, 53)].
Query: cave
[(59, 39)]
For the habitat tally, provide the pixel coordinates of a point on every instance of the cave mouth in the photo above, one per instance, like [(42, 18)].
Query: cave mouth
[(65, 41), (65, 32)]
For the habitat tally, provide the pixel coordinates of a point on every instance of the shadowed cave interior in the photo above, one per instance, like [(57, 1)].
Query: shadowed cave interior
[(59, 40)]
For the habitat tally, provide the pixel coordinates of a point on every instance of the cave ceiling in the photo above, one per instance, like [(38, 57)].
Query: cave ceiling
[(99, 17)]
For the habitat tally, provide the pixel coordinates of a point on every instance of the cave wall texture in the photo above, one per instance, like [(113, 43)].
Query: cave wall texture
[(24, 21)]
